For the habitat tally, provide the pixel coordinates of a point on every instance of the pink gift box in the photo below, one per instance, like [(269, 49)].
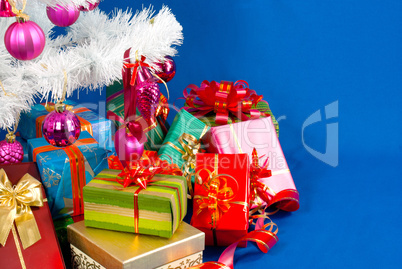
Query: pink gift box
[(243, 137)]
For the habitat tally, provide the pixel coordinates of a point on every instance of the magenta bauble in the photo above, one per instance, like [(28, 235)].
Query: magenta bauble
[(5, 9), (11, 151), (63, 16), (168, 69), (148, 95), (90, 6), (143, 76), (127, 146), (61, 128), (24, 40)]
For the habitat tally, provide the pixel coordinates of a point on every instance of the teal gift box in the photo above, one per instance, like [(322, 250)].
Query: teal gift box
[(65, 171), (100, 128)]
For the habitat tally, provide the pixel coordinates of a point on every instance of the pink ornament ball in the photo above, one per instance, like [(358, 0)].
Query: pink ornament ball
[(90, 6), (11, 153), (61, 129), (63, 16), (6, 9), (24, 40), (168, 69), (127, 146)]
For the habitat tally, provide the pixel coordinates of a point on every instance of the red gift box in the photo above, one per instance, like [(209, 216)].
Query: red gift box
[(46, 252), (221, 195)]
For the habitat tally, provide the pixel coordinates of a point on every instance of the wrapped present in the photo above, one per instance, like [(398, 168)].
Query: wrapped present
[(147, 203), (221, 195), (65, 171), (155, 132), (96, 248), (183, 141), (100, 128), (36, 233), (218, 104), (243, 137)]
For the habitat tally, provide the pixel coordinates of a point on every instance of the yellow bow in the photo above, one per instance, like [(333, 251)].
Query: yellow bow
[(191, 146), (19, 12), (15, 205)]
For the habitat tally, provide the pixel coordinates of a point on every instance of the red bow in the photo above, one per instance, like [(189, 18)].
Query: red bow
[(135, 66), (259, 189), (223, 98), (150, 158)]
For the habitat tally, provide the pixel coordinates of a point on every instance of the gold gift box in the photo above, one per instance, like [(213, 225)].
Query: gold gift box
[(114, 250)]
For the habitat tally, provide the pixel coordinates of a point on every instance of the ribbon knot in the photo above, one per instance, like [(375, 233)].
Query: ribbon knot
[(217, 202), (258, 189), (138, 64), (222, 99), (191, 147), (15, 205)]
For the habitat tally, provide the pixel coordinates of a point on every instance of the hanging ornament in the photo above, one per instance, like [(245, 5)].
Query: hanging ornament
[(63, 16), (6, 9), (168, 69), (24, 39), (90, 6), (148, 93), (11, 150), (61, 127), (127, 145)]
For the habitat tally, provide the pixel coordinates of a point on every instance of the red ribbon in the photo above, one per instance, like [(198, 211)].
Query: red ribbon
[(259, 189), (264, 237), (224, 98), (141, 63)]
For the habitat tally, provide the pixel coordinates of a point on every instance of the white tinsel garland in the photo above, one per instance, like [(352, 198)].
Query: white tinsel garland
[(91, 53)]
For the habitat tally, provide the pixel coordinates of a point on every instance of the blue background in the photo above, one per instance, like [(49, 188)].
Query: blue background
[(303, 56)]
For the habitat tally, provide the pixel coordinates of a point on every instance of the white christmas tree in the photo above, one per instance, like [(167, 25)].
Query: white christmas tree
[(91, 53)]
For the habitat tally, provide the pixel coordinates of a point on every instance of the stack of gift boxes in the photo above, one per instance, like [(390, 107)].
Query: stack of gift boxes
[(221, 151)]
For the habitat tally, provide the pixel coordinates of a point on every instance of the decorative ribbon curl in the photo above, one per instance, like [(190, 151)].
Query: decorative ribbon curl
[(15, 205), (19, 12), (219, 196), (224, 98), (258, 189)]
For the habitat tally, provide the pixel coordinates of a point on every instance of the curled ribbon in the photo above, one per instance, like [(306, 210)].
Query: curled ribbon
[(224, 98), (19, 12), (15, 205), (258, 189), (219, 196)]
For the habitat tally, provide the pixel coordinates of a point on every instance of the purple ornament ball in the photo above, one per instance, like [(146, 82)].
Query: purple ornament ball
[(61, 129), (127, 146), (11, 151), (24, 40), (63, 16), (168, 69)]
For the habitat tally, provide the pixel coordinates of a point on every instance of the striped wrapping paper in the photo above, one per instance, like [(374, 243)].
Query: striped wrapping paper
[(184, 122), (161, 206), (115, 103), (209, 119)]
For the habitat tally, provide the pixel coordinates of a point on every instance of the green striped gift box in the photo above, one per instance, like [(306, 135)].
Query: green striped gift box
[(262, 106), (161, 206), (184, 122), (115, 103)]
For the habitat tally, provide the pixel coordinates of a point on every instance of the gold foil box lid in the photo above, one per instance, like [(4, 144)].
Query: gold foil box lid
[(126, 250)]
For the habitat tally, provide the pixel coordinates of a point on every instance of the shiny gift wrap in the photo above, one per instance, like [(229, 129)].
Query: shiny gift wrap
[(100, 128), (13, 254), (220, 207), (156, 210), (260, 134), (117, 250), (155, 134), (65, 171)]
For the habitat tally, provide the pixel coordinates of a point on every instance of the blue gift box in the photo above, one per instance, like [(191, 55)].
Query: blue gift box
[(102, 128), (65, 170)]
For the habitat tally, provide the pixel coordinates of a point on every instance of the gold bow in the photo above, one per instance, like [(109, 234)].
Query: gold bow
[(15, 205), (51, 106), (19, 12)]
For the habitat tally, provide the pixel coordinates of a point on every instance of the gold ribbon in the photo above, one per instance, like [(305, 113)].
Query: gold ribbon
[(15, 205), (19, 12)]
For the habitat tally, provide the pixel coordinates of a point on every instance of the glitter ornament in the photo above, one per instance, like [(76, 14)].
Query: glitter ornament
[(24, 40), (127, 146), (11, 151), (63, 16), (61, 127), (148, 95), (168, 69), (6, 9), (90, 6)]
